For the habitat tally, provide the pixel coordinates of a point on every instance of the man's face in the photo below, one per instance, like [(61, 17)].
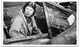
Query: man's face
[(29, 11)]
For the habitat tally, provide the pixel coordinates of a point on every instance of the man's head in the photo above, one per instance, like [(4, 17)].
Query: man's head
[(29, 9)]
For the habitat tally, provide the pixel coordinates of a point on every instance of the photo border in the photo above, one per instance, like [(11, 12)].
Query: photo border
[(39, 1)]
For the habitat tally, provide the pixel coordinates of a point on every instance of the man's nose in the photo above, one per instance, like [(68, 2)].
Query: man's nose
[(28, 11)]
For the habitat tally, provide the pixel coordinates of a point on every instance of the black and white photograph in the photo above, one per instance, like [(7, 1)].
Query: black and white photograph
[(40, 23)]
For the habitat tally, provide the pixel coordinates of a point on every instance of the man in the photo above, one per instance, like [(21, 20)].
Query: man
[(24, 22)]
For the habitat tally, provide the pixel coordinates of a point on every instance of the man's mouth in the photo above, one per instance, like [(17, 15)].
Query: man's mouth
[(27, 14)]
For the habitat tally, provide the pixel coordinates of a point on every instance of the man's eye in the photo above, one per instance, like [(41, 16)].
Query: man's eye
[(31, 9)]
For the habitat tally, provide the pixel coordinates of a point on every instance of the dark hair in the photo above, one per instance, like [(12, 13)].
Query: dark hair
[(31, 5)]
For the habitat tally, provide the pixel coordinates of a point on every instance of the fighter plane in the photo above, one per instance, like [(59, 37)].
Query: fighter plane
[(57, 23)]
